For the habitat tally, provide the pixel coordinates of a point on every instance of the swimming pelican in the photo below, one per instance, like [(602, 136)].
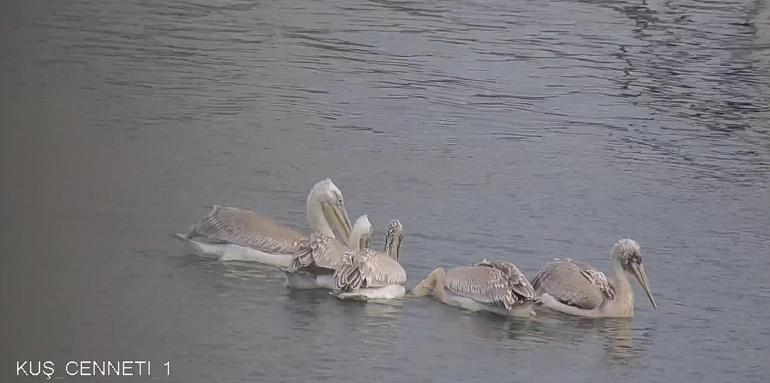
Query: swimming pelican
[(495, 286), (368, 274), (236, 234), (579, 289), (313, 265)]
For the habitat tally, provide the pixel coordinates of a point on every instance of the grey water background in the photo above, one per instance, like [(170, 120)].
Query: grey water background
[(518, 130)]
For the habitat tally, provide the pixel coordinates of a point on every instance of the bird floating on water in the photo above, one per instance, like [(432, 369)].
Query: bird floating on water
[(344, 263), (369, 274), (577, 288), (495, 286), (313, 265), (243, 235)]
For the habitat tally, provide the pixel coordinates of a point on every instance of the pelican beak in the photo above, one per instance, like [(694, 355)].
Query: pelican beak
[(339, 217), (641, 276)]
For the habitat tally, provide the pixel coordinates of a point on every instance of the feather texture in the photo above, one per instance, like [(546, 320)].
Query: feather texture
[(317, 251), (574, 283), (498, 283), (367, 269), (229, 225)]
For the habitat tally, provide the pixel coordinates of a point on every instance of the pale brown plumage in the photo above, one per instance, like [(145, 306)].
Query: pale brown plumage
[(321, 254), (498, 283), (577, 288), (229, 225), (317, 251), (574, 283), (367, 269)]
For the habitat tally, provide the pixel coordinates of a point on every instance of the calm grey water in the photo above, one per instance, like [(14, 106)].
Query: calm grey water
[(511, 129)]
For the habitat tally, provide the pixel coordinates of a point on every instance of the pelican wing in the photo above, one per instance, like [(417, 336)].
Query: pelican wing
[(347, 277), (517, 281), (597, 278), (367, 268), (318, 251), (574, 284), (245, 228), (482, 283)]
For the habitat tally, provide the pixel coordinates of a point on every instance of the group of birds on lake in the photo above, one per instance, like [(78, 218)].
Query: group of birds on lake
[(337, 256)]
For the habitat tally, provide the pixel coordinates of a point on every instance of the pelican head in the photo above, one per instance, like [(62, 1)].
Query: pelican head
[(393, 239), (627, 254), (326, 210), (361, 233)]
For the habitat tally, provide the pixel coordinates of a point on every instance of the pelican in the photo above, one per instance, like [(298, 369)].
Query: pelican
[(368, 274), (579, 289), (313, 265), (243, 235), (495, 286)]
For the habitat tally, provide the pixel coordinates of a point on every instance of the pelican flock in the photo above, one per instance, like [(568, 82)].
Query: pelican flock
[(337, 256)]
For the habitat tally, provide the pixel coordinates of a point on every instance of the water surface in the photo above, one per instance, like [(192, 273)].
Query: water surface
[(518, 130)]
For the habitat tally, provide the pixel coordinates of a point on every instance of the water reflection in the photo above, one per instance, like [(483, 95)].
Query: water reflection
[(617, 334), (495, 327), (548, 329), (247, 271), (620, 340)]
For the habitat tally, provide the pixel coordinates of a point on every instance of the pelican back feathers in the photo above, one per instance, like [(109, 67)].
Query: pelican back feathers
[(574, 284), (498, 283), (317, 251), (229, 225), (367, 269)]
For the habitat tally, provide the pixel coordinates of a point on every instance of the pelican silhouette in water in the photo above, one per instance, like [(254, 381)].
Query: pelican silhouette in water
[(369, 274), (243, 235), (577, 288), (495, 286)]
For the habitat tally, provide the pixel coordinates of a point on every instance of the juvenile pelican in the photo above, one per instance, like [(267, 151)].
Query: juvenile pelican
[(313, 265), (236, 234), (368, 274), (579, 289), (495, 286)]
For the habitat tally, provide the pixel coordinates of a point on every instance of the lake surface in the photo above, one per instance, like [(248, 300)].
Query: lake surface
[(518, 130)]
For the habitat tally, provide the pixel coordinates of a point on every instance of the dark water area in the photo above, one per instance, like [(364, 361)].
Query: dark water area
[(518, 130)]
